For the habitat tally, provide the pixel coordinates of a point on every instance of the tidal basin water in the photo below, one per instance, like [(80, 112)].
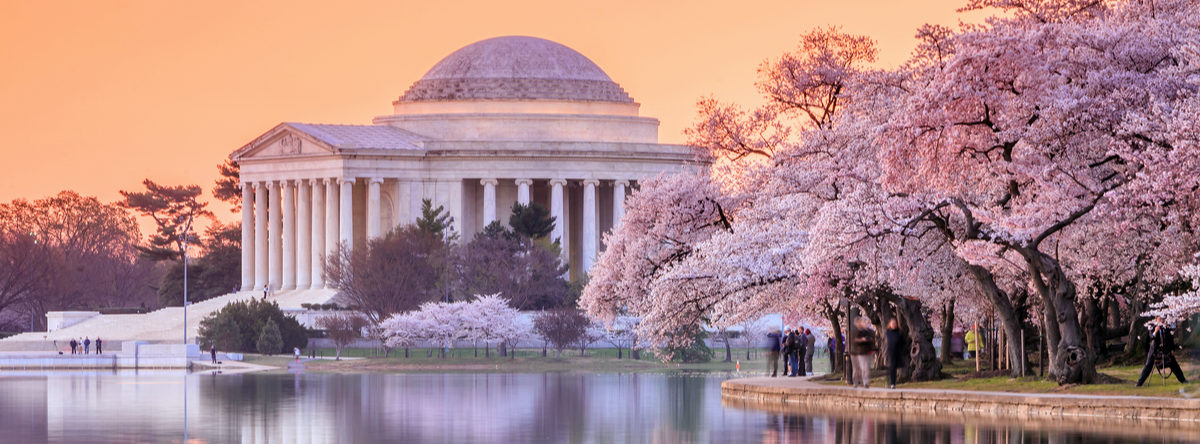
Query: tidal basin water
[(149, 407)]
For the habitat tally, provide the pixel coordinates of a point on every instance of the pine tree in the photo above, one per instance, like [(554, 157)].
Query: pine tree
[(532, 221), (270, 342), (436, 221)]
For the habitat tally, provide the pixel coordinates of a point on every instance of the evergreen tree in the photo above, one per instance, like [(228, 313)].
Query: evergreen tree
[(270, 342), (436, 221), (228, 186), (172, 208), (225, 334), (532, 221)]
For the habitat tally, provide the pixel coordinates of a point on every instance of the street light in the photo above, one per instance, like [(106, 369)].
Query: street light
[(184, 237)]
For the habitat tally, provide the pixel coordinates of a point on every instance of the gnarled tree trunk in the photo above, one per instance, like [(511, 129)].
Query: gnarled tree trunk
[(923, 360), (1071, 362), (1005, 312), (947, 332)]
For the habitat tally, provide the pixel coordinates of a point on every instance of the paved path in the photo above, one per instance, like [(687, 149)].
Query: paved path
[(1170, 418), (227, 367), (806, 384)]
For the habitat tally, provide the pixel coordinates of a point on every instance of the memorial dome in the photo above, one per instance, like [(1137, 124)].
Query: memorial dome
[(515, 68)]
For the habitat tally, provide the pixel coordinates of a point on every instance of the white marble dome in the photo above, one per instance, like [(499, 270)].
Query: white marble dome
[(516, 68)]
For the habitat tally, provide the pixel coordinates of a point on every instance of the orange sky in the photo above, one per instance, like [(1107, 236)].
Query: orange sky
[(97, 95)]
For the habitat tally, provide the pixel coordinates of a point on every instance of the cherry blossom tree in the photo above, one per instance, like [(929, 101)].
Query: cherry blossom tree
[(1034, 121)]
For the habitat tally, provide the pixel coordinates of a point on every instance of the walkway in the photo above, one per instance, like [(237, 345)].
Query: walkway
[(801, 396)]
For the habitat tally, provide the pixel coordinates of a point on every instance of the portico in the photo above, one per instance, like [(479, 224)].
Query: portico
[(501, 121)]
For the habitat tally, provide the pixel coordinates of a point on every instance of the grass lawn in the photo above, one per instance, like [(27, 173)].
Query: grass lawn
[(525, 360), (961, 379)]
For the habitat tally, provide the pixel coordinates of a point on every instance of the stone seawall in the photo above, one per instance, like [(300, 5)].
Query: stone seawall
[(130, 354), (1139, 416)]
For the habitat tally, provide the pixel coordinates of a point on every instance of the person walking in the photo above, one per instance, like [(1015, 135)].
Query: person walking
[(972, 342), (98, 345), (894, 345), (773, 352), (1162, 352), (296, 352), (87, 345), (73, 345), (810, 345), (792, 345), (862, 349), (213, 350), (801, 350), (831, 351)]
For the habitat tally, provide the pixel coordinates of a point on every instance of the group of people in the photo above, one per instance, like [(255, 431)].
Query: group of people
[(84, 347), (796, 347)]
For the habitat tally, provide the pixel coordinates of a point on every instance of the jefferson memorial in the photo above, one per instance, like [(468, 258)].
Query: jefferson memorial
[(503, 120)]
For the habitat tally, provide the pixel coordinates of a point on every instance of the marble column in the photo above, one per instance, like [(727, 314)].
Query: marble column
[(332, 217), (274, 230), (303, 235), (619, 201), (374, 217), (557, 211), (261, 277), (247, 236), (289, 235), (346, 213), (489, 201), (416, 192), (523, 191), (318, 234), (590, 224)]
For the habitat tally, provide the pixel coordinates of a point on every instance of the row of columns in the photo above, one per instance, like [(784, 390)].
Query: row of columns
[(591, 220), (315, 216), (312, 218)]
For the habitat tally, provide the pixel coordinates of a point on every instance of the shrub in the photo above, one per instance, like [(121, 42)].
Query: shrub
[(269, 340), (250, 317)]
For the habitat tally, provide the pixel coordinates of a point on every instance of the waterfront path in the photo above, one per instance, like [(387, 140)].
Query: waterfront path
[(802, 396)]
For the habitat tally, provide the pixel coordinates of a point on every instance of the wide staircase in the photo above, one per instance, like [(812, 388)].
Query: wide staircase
[(159, 326)]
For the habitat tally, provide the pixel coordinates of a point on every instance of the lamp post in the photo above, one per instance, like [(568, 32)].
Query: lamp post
[(184, 237)]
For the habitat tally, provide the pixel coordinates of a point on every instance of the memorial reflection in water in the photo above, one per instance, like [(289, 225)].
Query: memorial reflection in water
[(530, 407)]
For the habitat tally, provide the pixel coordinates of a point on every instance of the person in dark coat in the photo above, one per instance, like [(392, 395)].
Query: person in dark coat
[(862, 349), (832, 352), (810, 345), (773, 352), (894, 346), (73, 345), (793, 346), (98, 345), (798, 353), (1162, 352), (213, 350)]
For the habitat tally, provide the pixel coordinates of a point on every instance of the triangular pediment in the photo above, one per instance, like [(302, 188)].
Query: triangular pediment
[(283, 141)]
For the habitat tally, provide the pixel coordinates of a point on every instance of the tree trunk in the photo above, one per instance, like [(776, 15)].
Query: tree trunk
[(923, 360), (836, 353), (1073, 362), (728, 351), (405, 352), (502, 349), (947, 332), (1005, 312), (1092, 320), (339, 354), (1138, 343)]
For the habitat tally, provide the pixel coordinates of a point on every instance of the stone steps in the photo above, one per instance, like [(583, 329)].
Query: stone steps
[(164, 325)]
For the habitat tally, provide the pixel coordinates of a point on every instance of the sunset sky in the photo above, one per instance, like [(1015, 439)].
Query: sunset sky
[(95, 96)]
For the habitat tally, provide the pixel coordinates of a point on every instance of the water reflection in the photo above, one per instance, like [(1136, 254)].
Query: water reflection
[(504, 408)]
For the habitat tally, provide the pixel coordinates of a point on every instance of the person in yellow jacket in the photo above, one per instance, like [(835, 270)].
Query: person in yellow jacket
[(972, 341)]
